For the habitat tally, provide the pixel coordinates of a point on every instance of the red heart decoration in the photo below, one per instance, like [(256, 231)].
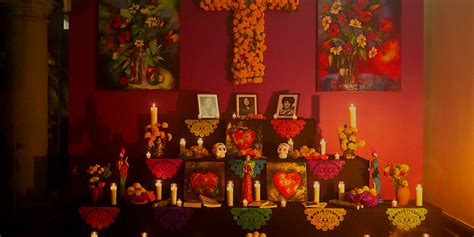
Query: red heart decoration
[(244, 138), (287, 183), (204, 184)]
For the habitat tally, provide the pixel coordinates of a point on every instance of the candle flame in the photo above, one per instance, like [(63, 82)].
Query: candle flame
[(153, 104)]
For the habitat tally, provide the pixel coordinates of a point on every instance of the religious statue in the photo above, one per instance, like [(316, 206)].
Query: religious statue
[(247, 169), (374, 165), (122, 167)]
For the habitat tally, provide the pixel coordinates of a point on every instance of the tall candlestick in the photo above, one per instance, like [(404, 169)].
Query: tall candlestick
[(113, 193), (230, 194), (94, 234), (245, 203), (158, 187), (290, 142), (419, 195), (179, 203), (234, 116), (154, 114), (257, 190), (342, 188), (182, 145), (323, 146), (316, 191), (352, 116), (144, 234), (174, 194), (200, 142)]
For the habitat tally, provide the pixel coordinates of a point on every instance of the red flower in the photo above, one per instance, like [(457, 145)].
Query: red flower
[(325, 6), (326, 45), (115, 22), (386, 26), (365, 16), (154, 76), (124, 37), (123, 81), (341, 19), (371, 36), (402, 173), (333, 30), (362, 3), (154, 2), (386, 174)]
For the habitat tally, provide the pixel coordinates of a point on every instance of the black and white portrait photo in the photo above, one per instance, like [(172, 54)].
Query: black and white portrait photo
[(287, 105), (208, 105), (246, 104)]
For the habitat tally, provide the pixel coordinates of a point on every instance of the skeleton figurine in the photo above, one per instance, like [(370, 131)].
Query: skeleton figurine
[(219, 150), (283, 150)]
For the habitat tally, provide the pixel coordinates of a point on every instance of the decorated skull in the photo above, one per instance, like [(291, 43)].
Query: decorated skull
[(219, 149), (283, 150)]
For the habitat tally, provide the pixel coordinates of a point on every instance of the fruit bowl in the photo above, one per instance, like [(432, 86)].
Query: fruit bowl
[(138, 195), (365, 196)]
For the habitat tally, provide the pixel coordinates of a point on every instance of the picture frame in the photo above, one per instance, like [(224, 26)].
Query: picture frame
[(208, 105), (246, 104), (287, 105), (286, 181), (204, 178)]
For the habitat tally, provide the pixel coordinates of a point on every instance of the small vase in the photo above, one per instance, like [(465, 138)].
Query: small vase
[(138, 68), (403, 196), (96, 193)]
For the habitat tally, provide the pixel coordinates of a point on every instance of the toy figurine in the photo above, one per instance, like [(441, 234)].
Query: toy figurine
[(122, 167), (376, 174), (247, 169)]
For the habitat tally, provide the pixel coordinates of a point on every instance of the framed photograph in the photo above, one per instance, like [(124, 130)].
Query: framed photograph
[(246, 104), (208, 105), (287, 105)]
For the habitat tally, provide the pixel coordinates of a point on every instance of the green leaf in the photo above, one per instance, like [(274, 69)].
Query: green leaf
[(153, 46), (104, 13), (363, 54), (373, 7), (125, 13), (126, 64)]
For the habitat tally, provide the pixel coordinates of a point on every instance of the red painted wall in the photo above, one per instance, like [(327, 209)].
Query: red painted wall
[(390, 121)]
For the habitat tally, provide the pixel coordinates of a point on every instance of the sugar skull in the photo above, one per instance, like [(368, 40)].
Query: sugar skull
[(283, 150), (219, 150)]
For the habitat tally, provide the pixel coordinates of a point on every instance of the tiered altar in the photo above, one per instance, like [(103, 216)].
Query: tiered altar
[(262, 175)]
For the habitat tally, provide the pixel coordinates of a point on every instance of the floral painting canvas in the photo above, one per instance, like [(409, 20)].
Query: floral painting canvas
[(138, 45), (358, 45), (286, 181)]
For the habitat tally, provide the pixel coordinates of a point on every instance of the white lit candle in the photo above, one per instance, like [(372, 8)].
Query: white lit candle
[(148, 155), (199, 116), (234, 116), (230, 194), (218, 116), (352, 116), (295, 117), (323, 146), (174, 194), (94, 234), (144, 234), (154, 114), (245, 203), (257, 190), (342, 188), (113, 193), (316, 191), (179, 203), (337, 156), (394, 203), (158, 187), (283, 203), (290, 142), (419, 195), (200, 141), (275, 116), (182, 145)]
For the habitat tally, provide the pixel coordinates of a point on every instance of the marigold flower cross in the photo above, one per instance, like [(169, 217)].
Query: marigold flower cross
[(249, 34)]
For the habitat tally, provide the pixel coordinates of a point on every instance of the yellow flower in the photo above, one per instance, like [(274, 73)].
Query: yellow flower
[(336, 50), (361, 41), (372, 52), (355, 23), (404, 168), (326, 22), (340, 129), (342, 136), (362, 143), (164, 125), (352, 146), (345, 141), (404, 183), (336, 7), (343, 147), (352, 138)]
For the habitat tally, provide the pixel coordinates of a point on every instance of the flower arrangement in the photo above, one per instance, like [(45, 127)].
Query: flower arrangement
[(140, 38), (397, 173), (348, 141), (249, 34), (195, 153), (95, 174), (350, 34), (365, 196), (156, 137)]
